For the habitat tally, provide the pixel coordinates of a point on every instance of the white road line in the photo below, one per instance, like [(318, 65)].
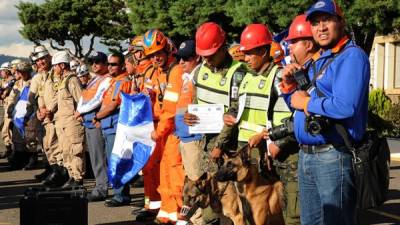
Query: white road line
[(395, 157), (396, 217)]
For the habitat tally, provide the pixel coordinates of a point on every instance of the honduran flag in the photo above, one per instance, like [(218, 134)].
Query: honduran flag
[(133, 145), (280, 38), (19, 112)]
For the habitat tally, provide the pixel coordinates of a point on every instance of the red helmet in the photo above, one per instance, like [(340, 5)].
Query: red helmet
[(300, 28), (255, 35), (209, 38)]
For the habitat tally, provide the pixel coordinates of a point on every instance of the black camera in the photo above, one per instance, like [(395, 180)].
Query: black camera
[(317, 124), (303, 82), (281, 131)]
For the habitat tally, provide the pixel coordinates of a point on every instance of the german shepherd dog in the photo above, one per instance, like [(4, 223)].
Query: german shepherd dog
[(262, 197), (222, 197)]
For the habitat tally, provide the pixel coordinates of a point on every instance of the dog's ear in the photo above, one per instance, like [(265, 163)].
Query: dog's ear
[(245, 155)]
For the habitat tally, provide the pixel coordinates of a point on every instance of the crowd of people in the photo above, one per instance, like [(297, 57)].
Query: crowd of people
[(283, 131)]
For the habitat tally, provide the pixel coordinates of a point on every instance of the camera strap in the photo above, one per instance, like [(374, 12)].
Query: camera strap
[(322, 70), (340, 128)]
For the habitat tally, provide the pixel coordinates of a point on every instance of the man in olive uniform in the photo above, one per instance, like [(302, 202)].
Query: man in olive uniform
[(265, 108), (70, 129), (217, 82)]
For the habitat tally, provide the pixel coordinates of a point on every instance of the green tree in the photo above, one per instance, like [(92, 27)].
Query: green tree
[(177, 19), (180, 18), (58, 21)]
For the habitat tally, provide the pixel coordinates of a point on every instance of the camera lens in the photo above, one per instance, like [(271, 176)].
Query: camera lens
[(314, 127)]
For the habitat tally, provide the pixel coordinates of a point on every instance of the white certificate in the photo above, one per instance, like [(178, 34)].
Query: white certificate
[(210, 118), (242, 104)]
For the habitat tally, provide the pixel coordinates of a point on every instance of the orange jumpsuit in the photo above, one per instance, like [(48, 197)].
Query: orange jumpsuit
[(155, 82), (171, 169)]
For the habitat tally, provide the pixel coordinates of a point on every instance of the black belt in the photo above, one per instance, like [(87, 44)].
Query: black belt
[(312, 149)]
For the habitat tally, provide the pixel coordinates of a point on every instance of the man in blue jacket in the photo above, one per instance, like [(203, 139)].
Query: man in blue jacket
[(340, 73)]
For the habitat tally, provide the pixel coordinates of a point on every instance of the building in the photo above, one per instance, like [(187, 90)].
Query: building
[(385, 65)]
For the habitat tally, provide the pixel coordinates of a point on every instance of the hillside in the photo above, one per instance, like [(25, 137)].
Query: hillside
[(6, 58)]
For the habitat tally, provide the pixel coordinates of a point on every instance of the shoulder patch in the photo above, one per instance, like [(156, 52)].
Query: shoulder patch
[(261, 85), (205, 76), (222, 82)]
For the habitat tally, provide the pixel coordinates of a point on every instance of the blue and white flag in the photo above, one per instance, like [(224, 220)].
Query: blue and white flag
[(19, 112), (280, 38), (133, 145)]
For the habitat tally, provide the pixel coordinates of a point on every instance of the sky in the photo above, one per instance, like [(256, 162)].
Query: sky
[(11, 41)]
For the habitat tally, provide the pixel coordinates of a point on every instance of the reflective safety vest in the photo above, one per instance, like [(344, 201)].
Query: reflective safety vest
[(255, 114), (109, 123), (88, 94), (216, 88)]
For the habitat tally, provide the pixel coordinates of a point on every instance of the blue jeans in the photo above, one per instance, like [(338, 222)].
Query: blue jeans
[(327, 192), (121, 194)]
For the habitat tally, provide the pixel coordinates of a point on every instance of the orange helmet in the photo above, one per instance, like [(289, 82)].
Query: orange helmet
[(154, 41), (137, 44), (255, 35), (300, 28), (235, 52), (209, 38), (276, 52)]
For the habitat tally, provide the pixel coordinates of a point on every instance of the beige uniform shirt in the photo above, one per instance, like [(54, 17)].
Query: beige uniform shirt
[(3, 84), (67, 98), (50, 95), (37, 87)]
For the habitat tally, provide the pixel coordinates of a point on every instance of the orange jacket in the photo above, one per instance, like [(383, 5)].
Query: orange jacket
[(112, 94), (165, 109), (186, 95)]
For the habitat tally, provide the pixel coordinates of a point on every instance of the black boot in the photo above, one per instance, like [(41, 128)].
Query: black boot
[(72, 183), (64, 175), (57, 178), (48, 170), (32, 161), (53, 178), (15, 160)]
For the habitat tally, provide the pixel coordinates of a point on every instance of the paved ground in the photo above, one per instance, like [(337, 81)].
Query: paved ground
[(13, 184)]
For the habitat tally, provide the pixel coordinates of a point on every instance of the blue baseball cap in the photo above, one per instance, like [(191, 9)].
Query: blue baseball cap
[(97, 56), (325, 6), (186, 50)]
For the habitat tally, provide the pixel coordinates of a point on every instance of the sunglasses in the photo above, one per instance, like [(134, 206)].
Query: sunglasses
[(113, 64)]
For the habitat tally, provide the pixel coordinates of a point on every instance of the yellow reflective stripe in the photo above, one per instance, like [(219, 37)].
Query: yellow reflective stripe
[(171, 96), (257, 102), (281, 105), (212, 97), (251, 126)]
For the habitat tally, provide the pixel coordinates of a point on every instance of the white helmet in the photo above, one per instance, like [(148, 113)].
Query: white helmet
[(74, 64), (5, 66), (15, 62), (39, 51), (60, 57), (82, 70)]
